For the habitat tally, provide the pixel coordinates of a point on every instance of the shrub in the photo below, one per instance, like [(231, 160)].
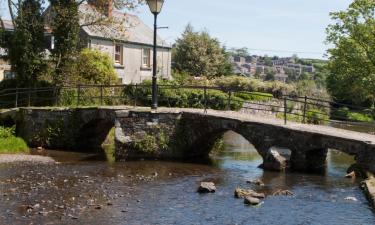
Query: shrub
[(317, 117), (9, 143), (344, 113), (254, 96), (6, 132), (182, 98), (13, 145)]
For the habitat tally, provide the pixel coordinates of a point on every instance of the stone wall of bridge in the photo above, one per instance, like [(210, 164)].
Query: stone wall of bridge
[(183, 134)]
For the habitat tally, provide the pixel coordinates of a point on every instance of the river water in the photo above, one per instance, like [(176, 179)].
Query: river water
[(84, 190)]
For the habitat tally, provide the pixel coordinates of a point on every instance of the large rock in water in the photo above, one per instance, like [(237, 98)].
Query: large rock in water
[(251, 201), (207, 187), (243, 193), (274, 161)]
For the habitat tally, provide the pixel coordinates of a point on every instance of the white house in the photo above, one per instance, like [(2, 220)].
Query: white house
[(129, 42)]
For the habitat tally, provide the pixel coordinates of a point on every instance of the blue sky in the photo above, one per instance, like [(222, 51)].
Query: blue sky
[(294, 26), (287, 25)]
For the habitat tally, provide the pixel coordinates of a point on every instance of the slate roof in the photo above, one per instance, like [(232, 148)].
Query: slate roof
[(126, 27)]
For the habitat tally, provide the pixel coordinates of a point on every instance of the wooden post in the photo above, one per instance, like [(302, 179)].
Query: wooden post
[(304, 110), (285, 111)]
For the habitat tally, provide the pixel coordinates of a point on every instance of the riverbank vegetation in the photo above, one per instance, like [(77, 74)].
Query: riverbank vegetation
[(9, 143)]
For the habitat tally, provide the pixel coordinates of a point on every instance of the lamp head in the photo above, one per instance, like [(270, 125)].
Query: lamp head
[(155, 5)]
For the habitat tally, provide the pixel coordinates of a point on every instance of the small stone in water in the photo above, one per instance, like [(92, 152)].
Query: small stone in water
[(251, 201), (207, 187)]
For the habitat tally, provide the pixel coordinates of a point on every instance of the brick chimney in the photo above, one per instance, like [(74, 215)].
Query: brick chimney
[(103, 6)]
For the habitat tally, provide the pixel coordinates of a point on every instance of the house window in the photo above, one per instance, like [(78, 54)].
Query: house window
[(9, 75), (146, 58), (118, 54)]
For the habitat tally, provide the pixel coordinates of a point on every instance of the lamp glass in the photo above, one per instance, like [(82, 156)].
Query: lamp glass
[(155, 5)]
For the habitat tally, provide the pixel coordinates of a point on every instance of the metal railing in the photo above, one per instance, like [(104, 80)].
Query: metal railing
[(300, 109)]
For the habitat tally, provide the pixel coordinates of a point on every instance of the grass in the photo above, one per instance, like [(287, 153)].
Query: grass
[(346, 114), (11, 145), (254, 96), (109, 146), (359, 117)]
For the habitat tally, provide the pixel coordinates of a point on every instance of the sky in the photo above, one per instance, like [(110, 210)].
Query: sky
[(272, 27), (284, 27)]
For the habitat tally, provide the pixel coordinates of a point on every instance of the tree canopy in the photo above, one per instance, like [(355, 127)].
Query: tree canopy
[(352, 59), (198, 54), (26, 45)]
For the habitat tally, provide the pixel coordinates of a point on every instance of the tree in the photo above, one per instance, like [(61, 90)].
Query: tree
[(26, 45), (198, 54), (352, 59), (65, 29), (94, 67), (243, 52)]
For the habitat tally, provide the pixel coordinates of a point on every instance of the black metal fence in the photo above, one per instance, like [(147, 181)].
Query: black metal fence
[(289, 108)]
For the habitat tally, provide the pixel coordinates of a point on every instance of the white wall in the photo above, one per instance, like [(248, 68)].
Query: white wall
[(131, 71)]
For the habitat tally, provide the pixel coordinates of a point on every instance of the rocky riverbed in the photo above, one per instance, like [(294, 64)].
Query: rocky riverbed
[(80, 189)]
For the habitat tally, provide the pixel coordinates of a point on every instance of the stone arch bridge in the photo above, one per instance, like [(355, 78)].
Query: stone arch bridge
[(186, 133)]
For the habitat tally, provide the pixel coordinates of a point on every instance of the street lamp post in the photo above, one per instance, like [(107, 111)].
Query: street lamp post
[(155, 7)]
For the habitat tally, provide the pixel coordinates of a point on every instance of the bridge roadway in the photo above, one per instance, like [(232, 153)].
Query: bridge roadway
[(193, 132)]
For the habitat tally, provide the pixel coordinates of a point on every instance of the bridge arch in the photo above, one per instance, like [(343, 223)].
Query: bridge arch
[(93, 134)]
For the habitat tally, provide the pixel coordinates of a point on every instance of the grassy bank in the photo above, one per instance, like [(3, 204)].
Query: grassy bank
[(9, 143)]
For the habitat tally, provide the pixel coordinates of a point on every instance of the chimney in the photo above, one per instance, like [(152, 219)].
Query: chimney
[(103, 6)]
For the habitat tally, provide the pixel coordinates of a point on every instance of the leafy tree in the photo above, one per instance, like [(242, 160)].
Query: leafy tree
[(94, 67), (26, 46), (65, 29), (352, 60), (199, 54), (270, 76), (243, 52)]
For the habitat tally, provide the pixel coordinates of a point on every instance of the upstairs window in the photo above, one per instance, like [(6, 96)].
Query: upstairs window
[(118, 55), (146, 59)]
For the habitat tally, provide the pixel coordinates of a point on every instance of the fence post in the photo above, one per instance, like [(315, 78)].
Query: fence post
[(16, 102), (101, 95), (135, 95), (229, 100), (28, 97), (78, 94), (56, 96), (304, 110), (205, 99), (285, 111)]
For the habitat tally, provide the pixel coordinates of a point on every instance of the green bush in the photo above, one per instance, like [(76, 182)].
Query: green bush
[(9, 143), (182, 98), (344, 113), (13, 145), (315, 116), (360, 117), (254, 96), (6, 132), (275, 88)]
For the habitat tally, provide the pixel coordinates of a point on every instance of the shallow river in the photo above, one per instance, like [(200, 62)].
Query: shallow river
[(83, 190)]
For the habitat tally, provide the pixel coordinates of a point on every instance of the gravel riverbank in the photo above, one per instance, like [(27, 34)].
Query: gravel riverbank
[(13, 158)]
